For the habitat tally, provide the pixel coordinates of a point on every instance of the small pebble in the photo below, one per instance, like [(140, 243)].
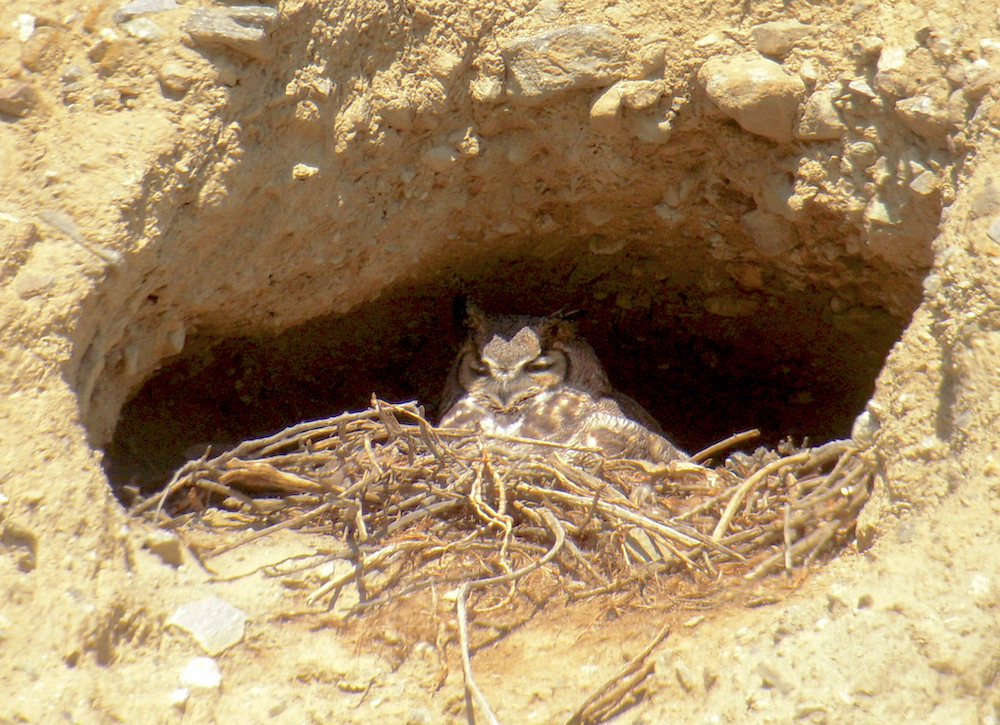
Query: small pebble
[(175, 78), (166, 545), (201, 673), (301, 172), (140, 7), (143, 29), (179, 697)]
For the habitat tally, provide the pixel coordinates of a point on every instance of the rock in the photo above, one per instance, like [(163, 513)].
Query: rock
[(43, 52), (216, 29), (16, 99), (777, 37), (301, 172), (215, 624), (166, 545), (978, 78), (201, 673), (924, 116), (757, 93), (902, 74), (258, 16), (25, 25), (175, 78), (439, 158), (925, 183), (562, 59), (867, 47), (656, 128), (773, 235), (141, 7), (143, 29), (862, 88), (605, 110), (820, 119), (993, 231), (880, 212)]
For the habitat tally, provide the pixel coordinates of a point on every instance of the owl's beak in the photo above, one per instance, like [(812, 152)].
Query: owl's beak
[(500, 392)]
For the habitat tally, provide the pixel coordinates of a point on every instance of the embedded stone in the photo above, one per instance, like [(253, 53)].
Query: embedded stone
[(213, 29), (43, 52), (924, 116), (772, 235), (820, 120), (562, 59), (757, 93), (15, 99), (175, 78), (777, 37), (900, 73), (141, 7), (201, 673)]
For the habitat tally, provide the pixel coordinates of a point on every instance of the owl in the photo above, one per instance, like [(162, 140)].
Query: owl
[(535, 378)]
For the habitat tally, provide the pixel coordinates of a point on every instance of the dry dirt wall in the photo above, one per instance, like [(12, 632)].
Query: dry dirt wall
[(177, 175)]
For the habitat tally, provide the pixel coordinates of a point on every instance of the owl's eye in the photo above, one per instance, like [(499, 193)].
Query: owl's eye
[(540, 364)]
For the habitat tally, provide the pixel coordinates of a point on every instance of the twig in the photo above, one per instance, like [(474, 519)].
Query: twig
[(620, 684), (723, 445)]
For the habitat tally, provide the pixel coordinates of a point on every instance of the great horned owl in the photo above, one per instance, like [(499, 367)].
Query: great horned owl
[(534, 377)]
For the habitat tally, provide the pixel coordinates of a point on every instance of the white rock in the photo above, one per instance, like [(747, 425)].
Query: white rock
[(757, 93), (179, 697), (201, 673), (25, 26), (215, 624)]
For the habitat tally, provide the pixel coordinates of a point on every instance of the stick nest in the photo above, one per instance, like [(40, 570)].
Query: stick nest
[(475, 525), (417, 507)]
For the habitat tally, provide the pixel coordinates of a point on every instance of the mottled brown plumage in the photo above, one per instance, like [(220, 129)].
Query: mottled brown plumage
[(534, 377)]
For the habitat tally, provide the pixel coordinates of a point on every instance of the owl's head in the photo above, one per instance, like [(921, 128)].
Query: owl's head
[(507, 360)]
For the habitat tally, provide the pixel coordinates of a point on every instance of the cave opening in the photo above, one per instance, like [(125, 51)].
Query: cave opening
[(708, 354)]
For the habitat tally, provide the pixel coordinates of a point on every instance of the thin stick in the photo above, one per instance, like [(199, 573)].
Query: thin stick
[(614, 689), (730, 442), (749, 485), (291, 523)]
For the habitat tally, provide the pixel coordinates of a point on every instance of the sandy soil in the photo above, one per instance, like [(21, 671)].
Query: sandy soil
[(215, 221)]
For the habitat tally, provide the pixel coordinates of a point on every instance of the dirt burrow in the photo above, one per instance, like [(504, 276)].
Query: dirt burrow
[(219, 220)]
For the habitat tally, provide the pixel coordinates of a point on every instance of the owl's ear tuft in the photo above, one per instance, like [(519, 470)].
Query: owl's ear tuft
[(560, 325), (475, 318)]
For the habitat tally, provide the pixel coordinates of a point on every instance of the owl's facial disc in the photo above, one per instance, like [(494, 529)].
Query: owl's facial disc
[(509, 372)]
